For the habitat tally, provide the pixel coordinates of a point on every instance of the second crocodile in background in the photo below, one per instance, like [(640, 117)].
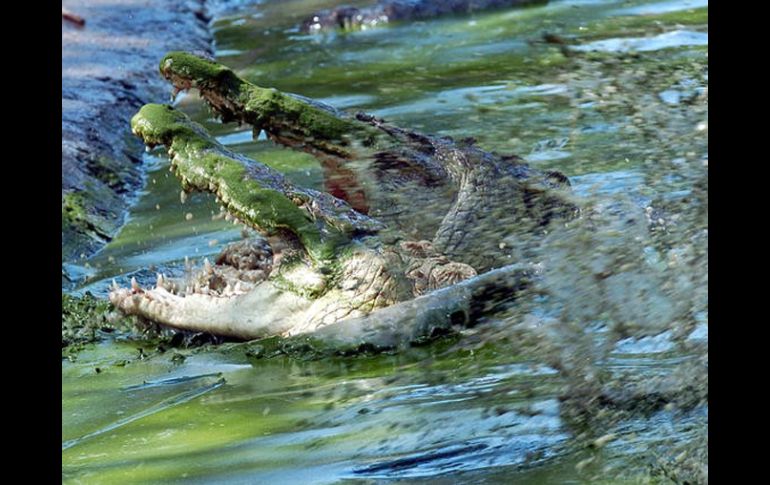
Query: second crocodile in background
[(414, 235), (386, 11)]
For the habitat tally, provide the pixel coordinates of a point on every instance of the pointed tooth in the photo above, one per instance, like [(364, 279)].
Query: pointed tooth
[(159, 282), (207, 266), (134, 284), (114, 284)]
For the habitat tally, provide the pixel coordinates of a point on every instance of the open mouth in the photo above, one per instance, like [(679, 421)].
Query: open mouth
[(237, 270)]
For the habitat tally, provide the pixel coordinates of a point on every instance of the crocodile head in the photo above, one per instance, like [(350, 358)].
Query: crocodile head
[(436, 212), (321, 262)]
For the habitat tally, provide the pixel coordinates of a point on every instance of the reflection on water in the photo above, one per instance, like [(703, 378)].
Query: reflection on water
[(386, 416), (625, 117)]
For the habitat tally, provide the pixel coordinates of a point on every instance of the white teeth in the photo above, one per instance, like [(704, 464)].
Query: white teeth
[(188, 290), (134, 284), (159, 283), (115, 285), (207, 266)]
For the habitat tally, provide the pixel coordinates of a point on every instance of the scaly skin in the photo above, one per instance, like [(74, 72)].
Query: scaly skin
[(330, 266), (385, 11)]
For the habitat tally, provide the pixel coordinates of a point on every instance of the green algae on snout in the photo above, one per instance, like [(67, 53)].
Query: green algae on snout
[(261, 106), (201, 71), (200, 166), (159, 124)]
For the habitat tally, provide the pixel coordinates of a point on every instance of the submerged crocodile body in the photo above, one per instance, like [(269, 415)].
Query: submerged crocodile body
[(413, 225), (385, 11)]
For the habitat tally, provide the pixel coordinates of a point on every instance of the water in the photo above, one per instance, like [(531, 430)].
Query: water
[(482, 410)]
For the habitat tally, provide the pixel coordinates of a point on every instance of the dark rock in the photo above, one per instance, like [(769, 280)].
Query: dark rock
[(109, 70)]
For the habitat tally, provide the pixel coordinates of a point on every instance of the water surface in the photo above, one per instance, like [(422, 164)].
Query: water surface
[(441, 413)]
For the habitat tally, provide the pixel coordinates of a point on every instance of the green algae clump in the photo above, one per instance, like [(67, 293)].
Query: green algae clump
[(203, 164), (84, 320), (275, 111)]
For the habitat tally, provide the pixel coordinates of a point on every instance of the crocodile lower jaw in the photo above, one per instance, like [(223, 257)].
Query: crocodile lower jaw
[(263, 311)]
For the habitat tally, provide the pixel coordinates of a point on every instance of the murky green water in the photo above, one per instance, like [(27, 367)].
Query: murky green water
[(618, 117)]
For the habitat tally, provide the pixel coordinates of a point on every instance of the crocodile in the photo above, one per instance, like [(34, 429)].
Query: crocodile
[(385, 11), (410, 246)]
